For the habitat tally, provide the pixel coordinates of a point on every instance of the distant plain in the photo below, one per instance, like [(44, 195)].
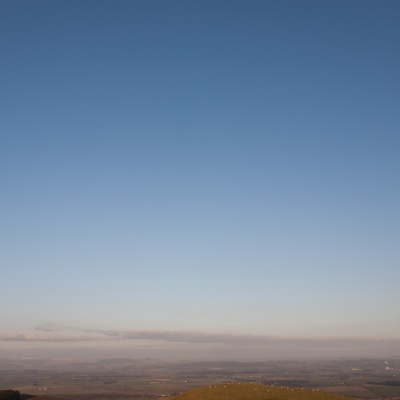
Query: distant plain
[(146, 379)]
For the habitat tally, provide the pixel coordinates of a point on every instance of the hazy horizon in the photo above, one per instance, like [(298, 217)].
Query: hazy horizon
[(200, 179), (190, 346)]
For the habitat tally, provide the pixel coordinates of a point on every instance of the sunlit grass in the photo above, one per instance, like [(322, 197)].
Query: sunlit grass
[(255, 392)]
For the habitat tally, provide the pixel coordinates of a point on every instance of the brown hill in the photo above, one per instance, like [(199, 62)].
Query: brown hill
[(251, 391)]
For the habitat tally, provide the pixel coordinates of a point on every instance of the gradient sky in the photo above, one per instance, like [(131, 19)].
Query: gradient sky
[(214, 176)]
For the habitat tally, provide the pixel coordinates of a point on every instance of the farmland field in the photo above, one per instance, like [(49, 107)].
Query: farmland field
[(151, 379)]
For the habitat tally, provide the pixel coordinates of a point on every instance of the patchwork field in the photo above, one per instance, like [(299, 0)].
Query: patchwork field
[(151, 379)]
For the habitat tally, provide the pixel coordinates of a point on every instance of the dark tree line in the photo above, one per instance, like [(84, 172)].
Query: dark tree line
[(10, 395)]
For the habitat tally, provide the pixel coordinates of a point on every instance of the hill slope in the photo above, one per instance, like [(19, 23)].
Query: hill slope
[(251, 391)]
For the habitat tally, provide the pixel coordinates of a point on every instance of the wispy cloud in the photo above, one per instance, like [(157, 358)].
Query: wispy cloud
[(244, 340), (237, 340), (48, 337)]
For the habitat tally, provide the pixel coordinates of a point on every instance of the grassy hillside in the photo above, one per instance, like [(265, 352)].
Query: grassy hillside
[(255, 392)]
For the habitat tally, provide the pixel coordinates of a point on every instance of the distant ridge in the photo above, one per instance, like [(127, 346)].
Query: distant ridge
[(250, 391)]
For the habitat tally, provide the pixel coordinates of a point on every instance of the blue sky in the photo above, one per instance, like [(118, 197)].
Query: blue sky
[(225, 168)]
